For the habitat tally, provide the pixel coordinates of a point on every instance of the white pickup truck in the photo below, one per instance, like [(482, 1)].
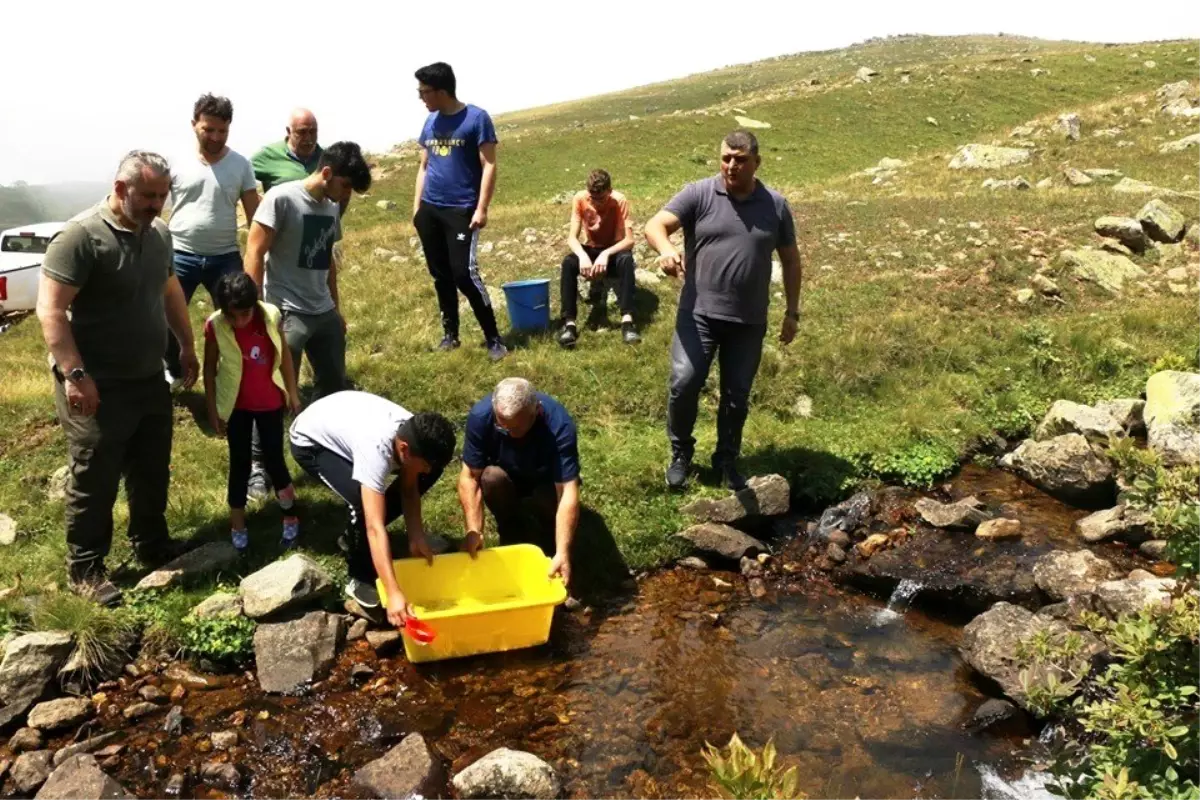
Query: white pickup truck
[(21, 253)]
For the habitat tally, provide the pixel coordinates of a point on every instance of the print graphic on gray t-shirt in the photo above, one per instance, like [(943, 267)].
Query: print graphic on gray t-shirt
[(727, 248), (297, 268)]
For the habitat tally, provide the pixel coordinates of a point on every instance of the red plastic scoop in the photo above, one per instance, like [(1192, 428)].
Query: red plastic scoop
[(419, 632)]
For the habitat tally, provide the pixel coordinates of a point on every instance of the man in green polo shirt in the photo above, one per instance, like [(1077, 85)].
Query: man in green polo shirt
[(292, 159), (107, 295)]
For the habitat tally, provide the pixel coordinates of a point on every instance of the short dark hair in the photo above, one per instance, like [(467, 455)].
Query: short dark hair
[(742, 140), (212, 106), (346, 160), (598, 181), (430, 436), (236, 291), (439, 75)]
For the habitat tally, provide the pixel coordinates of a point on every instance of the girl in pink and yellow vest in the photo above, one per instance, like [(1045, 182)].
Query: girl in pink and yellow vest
[(248, 379)]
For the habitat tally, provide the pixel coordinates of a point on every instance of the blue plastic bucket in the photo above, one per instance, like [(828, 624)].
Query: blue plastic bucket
[(528, 304)]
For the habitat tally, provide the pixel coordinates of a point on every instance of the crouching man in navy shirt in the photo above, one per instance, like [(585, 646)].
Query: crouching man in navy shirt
[(520, 448)]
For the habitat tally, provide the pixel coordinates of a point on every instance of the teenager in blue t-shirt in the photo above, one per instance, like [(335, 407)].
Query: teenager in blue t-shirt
[(455, 183), (521, 445)]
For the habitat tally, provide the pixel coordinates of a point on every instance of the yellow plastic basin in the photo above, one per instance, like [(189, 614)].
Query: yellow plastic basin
[(501, 600)]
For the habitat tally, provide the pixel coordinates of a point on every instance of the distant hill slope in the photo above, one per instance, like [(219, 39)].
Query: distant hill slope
[(22, 204)]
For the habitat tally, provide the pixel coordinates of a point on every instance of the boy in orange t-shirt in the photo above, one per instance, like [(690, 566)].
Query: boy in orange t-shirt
[(602, 217)]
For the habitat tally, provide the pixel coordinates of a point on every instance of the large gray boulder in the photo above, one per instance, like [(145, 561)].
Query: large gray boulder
[(1068, 417), (31, 770), (846, 517), (1126, 230), (55, 715), (986, 156), (1177, 99), (1068, 467), (727, 542), (30, 664), (282, 585), (1161, 222), (290, 654), (764, 496), (205, 559), (966, 513), (80, 778), (407, 770), (1127, 411), (1120, 522), (1131, 595), (1109, 271), (1063, 574), (1172, 416), (990, 643), (510, 774)]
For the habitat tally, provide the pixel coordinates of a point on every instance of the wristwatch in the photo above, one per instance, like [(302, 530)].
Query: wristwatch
[(76, 375), (792, 315)]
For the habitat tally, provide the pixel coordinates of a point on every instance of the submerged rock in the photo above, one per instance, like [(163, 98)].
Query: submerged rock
[(508, 773), (1068, 467), (54, 715), (1062, 574), (407, 770), (722, 540), (847, 517), (966, 513), (80, 778), (994, 529), (221, 775)]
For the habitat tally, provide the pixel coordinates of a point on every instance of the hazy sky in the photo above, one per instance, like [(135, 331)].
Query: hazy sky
[(87, 82)]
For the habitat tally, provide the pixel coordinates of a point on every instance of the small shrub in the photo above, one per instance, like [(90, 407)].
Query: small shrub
[(102, 635), (740, 773), (1053, 668), (1170, 494), (224, 640), (918, 464)]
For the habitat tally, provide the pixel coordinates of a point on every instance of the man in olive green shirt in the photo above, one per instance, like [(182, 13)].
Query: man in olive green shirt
[(111, 269), (292, 159)]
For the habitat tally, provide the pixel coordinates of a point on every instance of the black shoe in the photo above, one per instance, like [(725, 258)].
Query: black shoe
[(92, 583), (496, 349), (362, 593), (449, 342), (730, 477), (569, 336), (629, 333), (677, 472), (159, 553)]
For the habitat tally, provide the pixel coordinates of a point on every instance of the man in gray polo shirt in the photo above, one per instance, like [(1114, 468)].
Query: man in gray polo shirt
[(731, 224), (108, 293), (290, 256)]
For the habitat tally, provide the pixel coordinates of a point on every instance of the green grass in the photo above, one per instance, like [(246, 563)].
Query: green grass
[(911, 348)]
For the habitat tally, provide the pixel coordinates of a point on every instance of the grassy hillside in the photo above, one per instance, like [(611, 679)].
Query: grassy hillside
[(912, 347), (22, 204)]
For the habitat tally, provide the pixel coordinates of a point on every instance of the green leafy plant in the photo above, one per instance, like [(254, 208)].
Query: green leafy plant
[(1172, 497), (740, 773), (1054, 668), (918, 464), (225, 640), (102, 635)]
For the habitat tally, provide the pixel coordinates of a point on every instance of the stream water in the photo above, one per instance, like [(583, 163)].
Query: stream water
[(621, 702)]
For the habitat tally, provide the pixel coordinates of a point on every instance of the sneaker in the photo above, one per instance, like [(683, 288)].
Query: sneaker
[(496, 349), (449, 342), (730, 477), (629, 333), (259, 486), (677, 472), (291, 532), (159, 553), (362, 593), (175, 383), (93, 584), (569, 335), (241, 540)]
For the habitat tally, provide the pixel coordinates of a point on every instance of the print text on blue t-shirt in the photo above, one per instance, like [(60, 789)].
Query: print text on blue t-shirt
[(454, 173)]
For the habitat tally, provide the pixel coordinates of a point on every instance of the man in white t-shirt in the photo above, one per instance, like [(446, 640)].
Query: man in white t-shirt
[(353, 442), (206, 187)]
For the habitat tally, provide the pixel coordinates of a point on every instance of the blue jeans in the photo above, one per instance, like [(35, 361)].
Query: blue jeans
[(192, 271)]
